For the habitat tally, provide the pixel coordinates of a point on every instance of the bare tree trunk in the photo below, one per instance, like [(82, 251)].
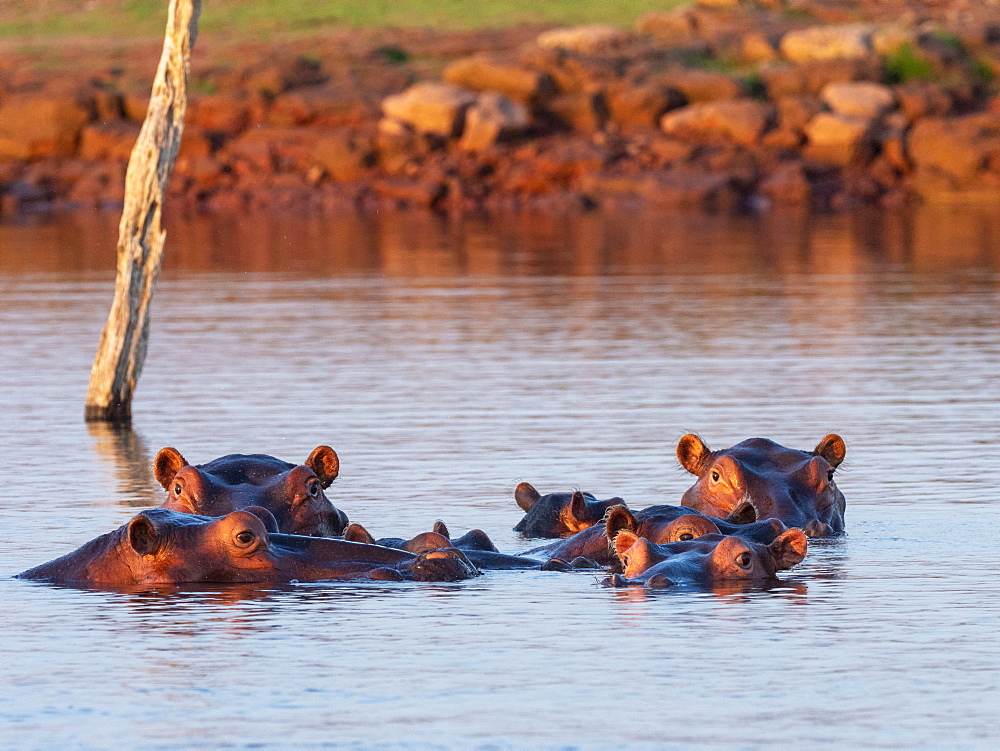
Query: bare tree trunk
[(122, 348)]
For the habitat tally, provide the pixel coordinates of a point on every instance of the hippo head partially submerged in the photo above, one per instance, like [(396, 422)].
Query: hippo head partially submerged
[(558, 514), (293, 493), (160, 546), (794, 486), (706, 560)]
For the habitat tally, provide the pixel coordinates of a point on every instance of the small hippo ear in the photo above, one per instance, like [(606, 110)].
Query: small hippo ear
[(623, 541), (578, 507), (270, 523), (789, 549), (619, 518), (833, 449), (526, 496), (142, 536), (167, 464), (356, 533), (441, 529), (692, 453), (325, 463), (659, 581)]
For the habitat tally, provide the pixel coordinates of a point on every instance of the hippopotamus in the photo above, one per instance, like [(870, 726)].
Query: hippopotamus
[(794, 486), (660, 524), (162, 546), (558, 514), (708, 559), (293, 493), (475, 544)]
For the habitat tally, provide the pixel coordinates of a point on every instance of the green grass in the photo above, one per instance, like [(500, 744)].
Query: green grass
[(906, 64), (19, 18)]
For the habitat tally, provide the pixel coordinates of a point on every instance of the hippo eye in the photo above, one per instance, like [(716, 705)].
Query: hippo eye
[(313, 488), (686, 536), (178, 488), (715, 476), (245, 538), (829, 475), (743, 559)]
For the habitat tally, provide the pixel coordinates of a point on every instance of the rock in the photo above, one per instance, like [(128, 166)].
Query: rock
[(135, 104), (827, 42), (887, 40), (225, 114), (837, 139), (343, 154), (960, 147), (742, 120), (922, 99), (410, 193), (492, 118), (859, 98), (491, 73), (676, 188), (755, 47), (273, 78), (436, 108), (112, 140), (639, 105), (583, 112), (36, 126), (667, 25), (585, 39), (810, 78), (795, 111), (787, 184), (700, 85), (325, 105)]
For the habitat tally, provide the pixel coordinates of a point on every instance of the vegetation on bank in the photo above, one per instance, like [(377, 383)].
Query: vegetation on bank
[(137, 18)]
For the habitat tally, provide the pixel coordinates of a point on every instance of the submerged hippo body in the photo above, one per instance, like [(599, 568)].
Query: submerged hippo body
[(293, 493), (558, 514), (659, 524), (794, 486), (709, 559), (475, 545), (161, 546)]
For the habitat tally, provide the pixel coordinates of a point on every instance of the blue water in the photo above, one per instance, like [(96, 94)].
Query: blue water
[(445, 362)]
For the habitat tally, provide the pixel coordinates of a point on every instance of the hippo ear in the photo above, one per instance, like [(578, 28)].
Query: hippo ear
[(142, 536), (167, 464), (619, 518), (356, 533), (658, 581), (692, 453), (789, 549), (526, 496), (578, 507), (833, 449), (623, 541), (441, 529), (270, 523), (325, 463)]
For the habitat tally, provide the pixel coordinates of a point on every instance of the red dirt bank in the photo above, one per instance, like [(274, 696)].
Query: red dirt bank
[(723, 105)]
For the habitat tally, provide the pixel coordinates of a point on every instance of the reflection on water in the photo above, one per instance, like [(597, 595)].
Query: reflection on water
[(446, 361)]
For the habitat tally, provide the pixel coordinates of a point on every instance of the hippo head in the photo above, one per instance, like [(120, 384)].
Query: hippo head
[(558, 514), (292, 493), (795, 487), (710, 558)]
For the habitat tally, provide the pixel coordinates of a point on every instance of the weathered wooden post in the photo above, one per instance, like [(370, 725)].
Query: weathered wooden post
[(122, 348)]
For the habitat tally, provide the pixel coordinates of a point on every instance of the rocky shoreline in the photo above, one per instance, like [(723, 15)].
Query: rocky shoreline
[(719, 105)]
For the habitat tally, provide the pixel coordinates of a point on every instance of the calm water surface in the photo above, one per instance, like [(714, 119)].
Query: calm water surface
[(446, 361)]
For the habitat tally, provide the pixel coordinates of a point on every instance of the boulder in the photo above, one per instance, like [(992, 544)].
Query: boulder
[(491, 73), (837, 139), (827, 42), (858, 98), (741, 120), (782, 79), (113, 140), (591, 39), (922, 99), (676, 188), (225, 114), (435, 108), (700, 85), (34, 126), (667, 25), (639, 105), (786, 184), (492, 118), (327, 105), (583, 112), (795, 111), (960, 147), (343, 155)]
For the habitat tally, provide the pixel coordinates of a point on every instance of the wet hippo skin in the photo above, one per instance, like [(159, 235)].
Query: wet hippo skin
[(293, 493), (558, 514), (794, 486), (161, 546)]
